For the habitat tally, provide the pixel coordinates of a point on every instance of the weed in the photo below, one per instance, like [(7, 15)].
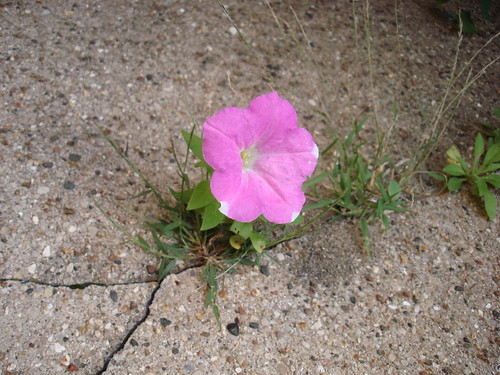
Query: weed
[(479, 174), (358, 186)]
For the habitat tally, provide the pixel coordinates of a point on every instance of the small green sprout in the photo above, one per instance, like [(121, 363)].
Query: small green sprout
[(482, 172)]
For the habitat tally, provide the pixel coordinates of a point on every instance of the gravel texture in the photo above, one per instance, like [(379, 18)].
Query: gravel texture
[(74, 298)]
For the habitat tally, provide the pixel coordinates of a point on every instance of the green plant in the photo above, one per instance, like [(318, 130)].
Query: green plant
[(358, 186), (479, 175), (194, 232)]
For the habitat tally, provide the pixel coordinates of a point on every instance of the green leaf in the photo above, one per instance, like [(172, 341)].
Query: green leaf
[(482, 188), (478, 151), (321, 203), (382, 189), (490, 168), (315, 180), (141, 194), (492, 179), (242, 229), (436, 176), (455, 183), (385, 221), (201, 196), (236, 241), (365, 233), (165, 270), (453, 170), (143, 242), (215, 310), (195, 144), (258, 241), (394, 190), (490, 205), (298, 220), (181, 196), (492, 156), (463, 164), (323, 153), (211, 216)]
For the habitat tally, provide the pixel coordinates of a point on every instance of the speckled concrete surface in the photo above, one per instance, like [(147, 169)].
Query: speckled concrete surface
[(425, 303)]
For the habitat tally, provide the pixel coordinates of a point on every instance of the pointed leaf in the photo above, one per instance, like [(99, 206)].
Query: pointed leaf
[(165, 270), (211, 216), (315, 180), (482, 188), (436, 176), (195, 143), (258, 241), (455, 183), (394, 190), (453, 170), (201, 196), (490, 205), (492, 156), (490, 168), (492, 179), (478, 151), (182, 196)]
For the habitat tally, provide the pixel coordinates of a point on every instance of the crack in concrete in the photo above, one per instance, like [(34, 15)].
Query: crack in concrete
[(77, 285), (149, 302), (131, 331)]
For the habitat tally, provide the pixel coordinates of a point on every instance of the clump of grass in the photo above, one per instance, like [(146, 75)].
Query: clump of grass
[(480, 174), (358, 186)]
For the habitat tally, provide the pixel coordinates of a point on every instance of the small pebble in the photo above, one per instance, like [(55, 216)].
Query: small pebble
[(35, 220), (353, 300), (113, 295), (233, 329), (165, 322), (133, 342), (233, 30), (254, 325), (75, 157), (43, 190), (58, 348), (264, 270), (32, 268), (46, 252), (69, 185), (175, 351), (459, 288)]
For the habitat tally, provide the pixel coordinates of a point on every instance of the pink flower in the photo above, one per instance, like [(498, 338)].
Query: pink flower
[(260, 159)]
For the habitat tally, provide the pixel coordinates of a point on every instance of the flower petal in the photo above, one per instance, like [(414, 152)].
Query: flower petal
[(219, 150), (239, 125), (244, 204)]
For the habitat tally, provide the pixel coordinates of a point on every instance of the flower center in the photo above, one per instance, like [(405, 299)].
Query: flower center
[(248, 158)]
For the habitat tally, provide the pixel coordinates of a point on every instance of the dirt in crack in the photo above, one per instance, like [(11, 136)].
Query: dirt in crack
[(131, 332)]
